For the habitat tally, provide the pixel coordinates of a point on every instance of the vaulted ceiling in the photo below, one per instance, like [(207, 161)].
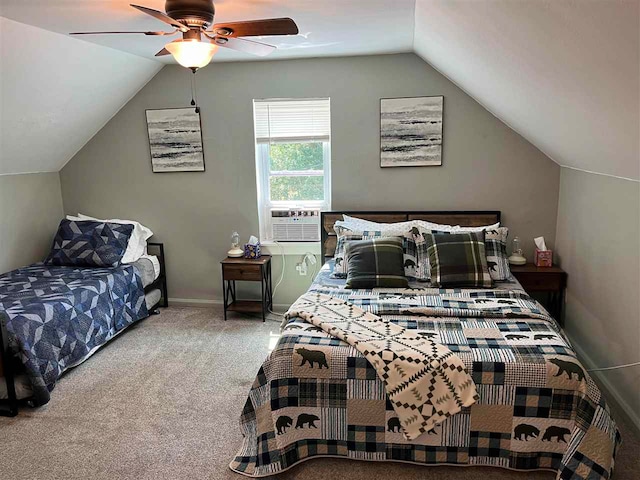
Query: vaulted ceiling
[(564, 74)]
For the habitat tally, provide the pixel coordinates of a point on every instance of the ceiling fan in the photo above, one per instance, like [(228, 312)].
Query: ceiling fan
[(192, 18)]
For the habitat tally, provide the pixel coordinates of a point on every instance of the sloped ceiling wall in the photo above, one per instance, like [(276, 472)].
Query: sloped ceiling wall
[(56, 93), (563, 74)]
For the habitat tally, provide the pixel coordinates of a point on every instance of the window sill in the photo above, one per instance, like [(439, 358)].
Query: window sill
[(290, 248)]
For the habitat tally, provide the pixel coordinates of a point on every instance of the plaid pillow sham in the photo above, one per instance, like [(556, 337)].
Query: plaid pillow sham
[(458, 260), (495, 248), (89, 244), (347, 234), (423, 269), (495, 243), (377, 262), (344, 237)]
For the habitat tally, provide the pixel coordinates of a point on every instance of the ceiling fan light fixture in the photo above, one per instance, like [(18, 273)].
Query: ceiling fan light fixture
[(192, 54)]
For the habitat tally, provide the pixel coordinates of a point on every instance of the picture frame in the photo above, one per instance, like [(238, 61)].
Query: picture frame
[(411, 131), (175, 140)]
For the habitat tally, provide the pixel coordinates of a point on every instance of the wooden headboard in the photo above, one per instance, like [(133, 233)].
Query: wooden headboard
[(463, 218)]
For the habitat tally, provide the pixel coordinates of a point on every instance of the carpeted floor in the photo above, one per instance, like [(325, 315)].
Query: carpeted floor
[(162, 401)]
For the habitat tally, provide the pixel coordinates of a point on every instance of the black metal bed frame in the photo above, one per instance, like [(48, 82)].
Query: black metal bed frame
[(9, 406), (161, 281)]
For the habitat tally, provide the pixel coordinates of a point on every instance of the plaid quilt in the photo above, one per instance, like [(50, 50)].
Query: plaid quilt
[(316, 395), (57, 316), (425, 381)]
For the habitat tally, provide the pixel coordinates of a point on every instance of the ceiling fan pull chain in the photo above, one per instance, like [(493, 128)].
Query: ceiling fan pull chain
[(193, 102), (194, 93)]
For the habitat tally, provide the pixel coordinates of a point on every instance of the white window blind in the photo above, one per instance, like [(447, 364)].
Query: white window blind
[(292, 120)]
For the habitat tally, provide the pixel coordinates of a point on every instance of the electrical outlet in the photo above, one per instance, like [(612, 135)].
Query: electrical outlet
[(301, 268)]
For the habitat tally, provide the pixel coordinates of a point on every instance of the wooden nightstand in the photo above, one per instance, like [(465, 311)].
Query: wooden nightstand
[(550, 280), (249, 270)]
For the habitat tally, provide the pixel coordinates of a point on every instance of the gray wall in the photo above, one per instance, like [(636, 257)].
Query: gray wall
[(597, 244), (30, 210), (485, 164)]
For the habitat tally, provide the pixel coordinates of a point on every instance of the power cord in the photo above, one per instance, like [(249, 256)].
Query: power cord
[(281, 278), (311, 258), (615, 367), (308, 256)]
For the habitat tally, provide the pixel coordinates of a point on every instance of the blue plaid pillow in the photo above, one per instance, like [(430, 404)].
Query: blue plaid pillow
[(89, 244)]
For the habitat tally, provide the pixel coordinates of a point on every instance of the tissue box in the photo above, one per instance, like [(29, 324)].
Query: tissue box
[(252, 251), (544, 258)]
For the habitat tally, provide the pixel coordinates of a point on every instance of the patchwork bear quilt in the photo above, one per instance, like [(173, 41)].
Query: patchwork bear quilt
[(56, 316), (425, 381), (316, 395)]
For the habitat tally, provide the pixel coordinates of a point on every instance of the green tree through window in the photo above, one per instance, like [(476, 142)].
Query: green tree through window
[(296, 171)]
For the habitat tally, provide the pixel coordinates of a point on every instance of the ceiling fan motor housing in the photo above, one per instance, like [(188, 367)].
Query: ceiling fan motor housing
[(194, 13)]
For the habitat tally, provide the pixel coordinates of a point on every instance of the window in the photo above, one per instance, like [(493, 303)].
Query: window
[(293, 156)]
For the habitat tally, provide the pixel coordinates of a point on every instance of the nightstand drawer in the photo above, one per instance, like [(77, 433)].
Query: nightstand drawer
[(242, 272), (534, 282)]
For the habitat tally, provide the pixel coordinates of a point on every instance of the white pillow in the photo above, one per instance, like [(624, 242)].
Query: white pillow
[(137, 245), (460, 229), (438, 227), (392, 229), (361, 224)]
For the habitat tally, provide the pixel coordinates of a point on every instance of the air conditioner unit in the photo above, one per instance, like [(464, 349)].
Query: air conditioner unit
[(299, 225)]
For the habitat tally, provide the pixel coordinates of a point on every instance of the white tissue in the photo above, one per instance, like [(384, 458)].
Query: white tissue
[(252, 240), (539, 241)]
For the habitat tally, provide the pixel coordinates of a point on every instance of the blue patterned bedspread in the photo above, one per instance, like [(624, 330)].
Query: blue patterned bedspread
[(58, 316)]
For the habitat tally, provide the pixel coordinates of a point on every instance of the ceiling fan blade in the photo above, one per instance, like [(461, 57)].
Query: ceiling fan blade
[(163, 17), (242, 45), (256, 28), (162, 52), (109, 33)]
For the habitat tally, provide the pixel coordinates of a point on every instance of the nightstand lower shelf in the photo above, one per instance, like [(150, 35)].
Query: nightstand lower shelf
[(246, 306)]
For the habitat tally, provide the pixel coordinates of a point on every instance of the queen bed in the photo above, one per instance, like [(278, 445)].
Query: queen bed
[(317, 395)]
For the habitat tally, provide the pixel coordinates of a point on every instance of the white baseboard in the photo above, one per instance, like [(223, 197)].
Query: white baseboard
[(202, 302), (611, 391)]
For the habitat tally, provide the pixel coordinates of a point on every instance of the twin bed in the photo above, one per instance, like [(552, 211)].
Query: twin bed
[(53, 318), (317, 395)]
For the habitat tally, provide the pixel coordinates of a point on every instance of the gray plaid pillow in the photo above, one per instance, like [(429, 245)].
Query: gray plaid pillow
[(458, 260), (377, 262), (346, 235)]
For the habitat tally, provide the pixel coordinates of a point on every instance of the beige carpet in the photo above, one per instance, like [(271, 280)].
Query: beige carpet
[(162, 401)]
